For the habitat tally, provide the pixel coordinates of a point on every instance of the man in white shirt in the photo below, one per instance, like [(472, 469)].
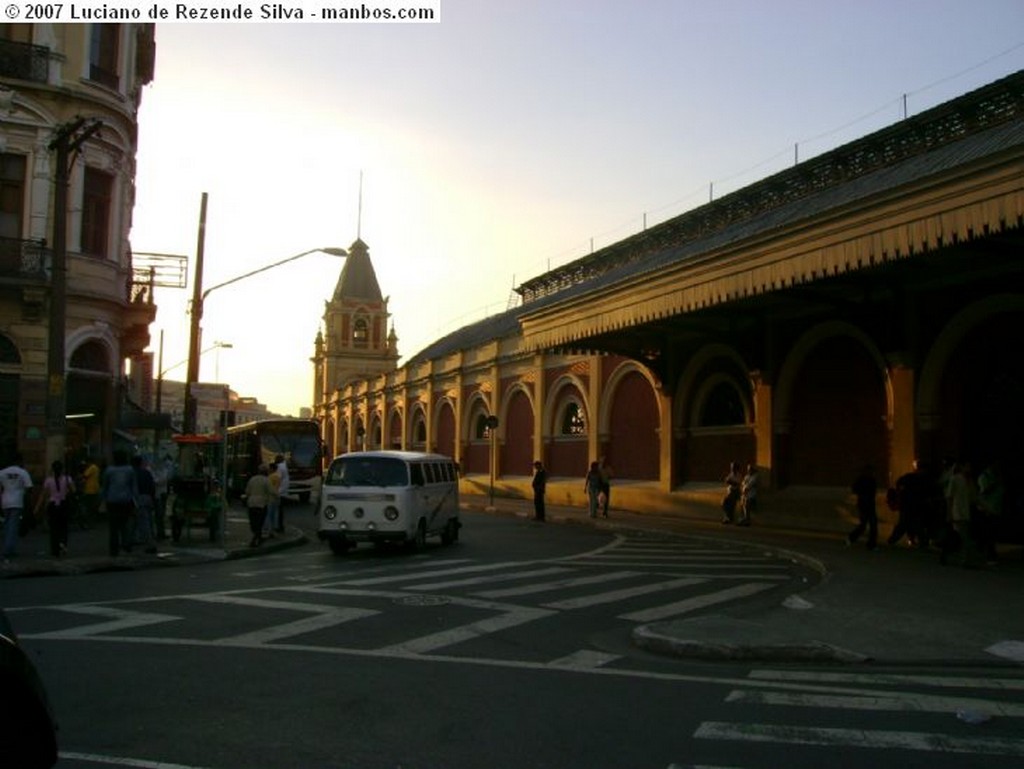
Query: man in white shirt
[(282, 470), (14, 482)]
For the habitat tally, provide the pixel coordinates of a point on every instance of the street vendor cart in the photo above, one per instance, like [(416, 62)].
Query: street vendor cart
[(196, 493)]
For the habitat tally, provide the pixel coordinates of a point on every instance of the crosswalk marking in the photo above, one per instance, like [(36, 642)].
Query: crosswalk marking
[(505, 577), (613, 596), (860, 738), (584, 659), (895, 702), (411, 576), (557, 584), (434, 641), (323, 616), (118, 620), (697, 602), (896, 679)]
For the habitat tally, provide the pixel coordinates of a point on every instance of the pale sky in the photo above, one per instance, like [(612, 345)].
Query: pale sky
[(510, 138)]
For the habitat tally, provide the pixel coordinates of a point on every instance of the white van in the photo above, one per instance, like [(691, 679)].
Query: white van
[(389, 496)]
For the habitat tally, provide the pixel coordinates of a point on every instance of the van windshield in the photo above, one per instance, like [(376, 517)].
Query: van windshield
[(367, 471)]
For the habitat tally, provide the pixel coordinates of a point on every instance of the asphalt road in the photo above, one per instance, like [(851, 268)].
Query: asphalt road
[(510, 649)]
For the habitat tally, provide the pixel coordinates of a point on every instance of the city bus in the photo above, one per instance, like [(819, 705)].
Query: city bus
[(257, 443), (382, 497)]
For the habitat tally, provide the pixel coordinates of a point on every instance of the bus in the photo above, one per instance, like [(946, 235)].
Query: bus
[(389, 496), (257, 443)]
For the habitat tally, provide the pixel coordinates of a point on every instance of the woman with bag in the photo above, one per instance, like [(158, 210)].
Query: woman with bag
[(59, 497)]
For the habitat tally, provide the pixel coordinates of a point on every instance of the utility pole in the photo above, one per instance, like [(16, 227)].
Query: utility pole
[(66, 143), (192, 377)]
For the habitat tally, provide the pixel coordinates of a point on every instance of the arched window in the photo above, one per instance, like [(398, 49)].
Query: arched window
[(8, 352), (723, 407), (360, 333), (481, 432), (91, 356), (419, 430), (574, 420)]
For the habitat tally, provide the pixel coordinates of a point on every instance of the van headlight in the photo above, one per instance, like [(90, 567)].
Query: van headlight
[(330, 512), (391, 513)]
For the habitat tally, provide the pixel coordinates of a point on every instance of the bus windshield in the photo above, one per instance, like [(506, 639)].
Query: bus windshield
[(300, 447), (368, 471)]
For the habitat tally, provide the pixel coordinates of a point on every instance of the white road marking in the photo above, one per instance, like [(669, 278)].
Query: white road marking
[(121, 619), (620, 595), (584, 658), (136, 763), (860, 738), (697, 602), (323, 617), (435, 641), (1011, 650), (505, 577), (558, 584), (899, 701), (882, 679), (411, 576)]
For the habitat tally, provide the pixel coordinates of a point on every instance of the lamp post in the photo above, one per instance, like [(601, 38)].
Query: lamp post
[(199, 299)]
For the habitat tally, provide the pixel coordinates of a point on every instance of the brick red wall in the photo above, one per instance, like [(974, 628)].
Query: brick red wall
[(632, 449), (838, 417)]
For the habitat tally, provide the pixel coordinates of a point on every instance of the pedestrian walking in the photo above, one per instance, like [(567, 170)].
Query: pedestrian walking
[(15, 483), (748, 495), (257, 495), (540, 483), (733, 485), (163, 474), (145, 504), (274, 503), (962, 494), (119, 490), (865, 488), (592, 486), (57, 499), (90, 493), (282, 468), (604, 498)]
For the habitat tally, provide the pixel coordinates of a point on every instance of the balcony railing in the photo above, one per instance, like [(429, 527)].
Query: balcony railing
[(24, 61), (23, 259)]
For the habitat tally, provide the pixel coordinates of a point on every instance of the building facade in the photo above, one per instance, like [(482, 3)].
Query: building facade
[(858, 308), (52, 75)]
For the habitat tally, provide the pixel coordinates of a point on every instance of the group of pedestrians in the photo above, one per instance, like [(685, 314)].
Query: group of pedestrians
[(597, 485), (953, 510), (133, 496), (263, 493)]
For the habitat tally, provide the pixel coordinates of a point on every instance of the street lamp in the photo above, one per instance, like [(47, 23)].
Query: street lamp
[(160, 375), (198, 300), (216, 366)]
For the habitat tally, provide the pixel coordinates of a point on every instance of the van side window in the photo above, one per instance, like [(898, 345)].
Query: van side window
[(416, 473), (446, 467), (428, 472)]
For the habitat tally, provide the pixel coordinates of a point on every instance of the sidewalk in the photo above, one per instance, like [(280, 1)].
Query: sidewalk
[(88, 550), (894, 605)]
